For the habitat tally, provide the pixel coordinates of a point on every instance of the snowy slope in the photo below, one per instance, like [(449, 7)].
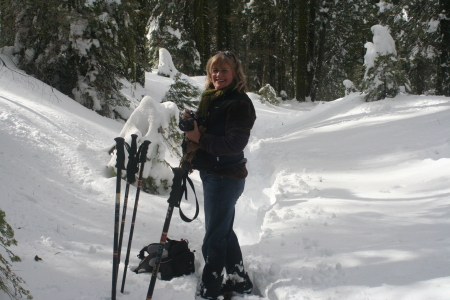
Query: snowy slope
[(345, 200), (357, 198)]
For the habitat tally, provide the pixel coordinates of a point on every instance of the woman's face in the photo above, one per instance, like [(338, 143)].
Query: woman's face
[(221, 76)]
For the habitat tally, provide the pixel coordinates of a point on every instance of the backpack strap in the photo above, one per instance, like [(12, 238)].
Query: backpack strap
[(179, 187), (141, 254)]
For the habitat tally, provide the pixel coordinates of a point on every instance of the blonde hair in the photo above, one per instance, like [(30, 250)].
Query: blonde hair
[(227, 57)]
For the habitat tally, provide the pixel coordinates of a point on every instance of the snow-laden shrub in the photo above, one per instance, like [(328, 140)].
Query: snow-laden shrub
[(10, 283), (349, 87), (384, 75), (157, 123), (268, 94), (165, 66), (182, 92)]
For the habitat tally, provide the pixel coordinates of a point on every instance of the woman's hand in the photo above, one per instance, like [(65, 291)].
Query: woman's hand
[(194, 135), (186, 113)]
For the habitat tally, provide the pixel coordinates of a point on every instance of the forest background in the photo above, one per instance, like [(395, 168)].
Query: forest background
[(303, 49)]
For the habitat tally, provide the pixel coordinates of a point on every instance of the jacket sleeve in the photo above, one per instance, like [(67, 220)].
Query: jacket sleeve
[(240, 119)]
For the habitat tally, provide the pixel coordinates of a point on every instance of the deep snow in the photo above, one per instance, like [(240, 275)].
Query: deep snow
[(345, 199)]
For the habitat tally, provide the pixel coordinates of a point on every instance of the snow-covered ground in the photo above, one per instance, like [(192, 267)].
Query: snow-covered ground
[(345, 200)]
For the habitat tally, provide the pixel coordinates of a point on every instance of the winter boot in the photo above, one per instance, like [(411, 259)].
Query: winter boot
[(239, 284)]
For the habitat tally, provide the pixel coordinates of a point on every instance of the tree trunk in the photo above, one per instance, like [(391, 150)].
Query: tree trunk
[(223, 25), (311, 57), (140, 40), (443, 84), (302, 59), (201, 30), (206, 33)]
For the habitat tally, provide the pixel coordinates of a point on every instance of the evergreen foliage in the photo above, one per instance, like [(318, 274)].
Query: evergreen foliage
[(341, 30), (443, 78), (182, 93), (415, 28), (133, 16), (268, 94), (98, 85), (283, 95), (384, 79), (383, 76), (10, 283), (81, 48), (260, 61), (305, 48), (170, 28), (349, 87), (171, 139)]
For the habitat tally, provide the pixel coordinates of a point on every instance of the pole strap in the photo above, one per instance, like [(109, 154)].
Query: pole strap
[(179, 188)]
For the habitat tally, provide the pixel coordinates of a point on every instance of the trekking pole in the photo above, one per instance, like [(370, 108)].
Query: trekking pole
[(120, 164), (142, 153), (174, 200), (131, 171)]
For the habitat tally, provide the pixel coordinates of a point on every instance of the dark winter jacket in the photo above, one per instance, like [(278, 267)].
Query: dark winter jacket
[(228, 126)]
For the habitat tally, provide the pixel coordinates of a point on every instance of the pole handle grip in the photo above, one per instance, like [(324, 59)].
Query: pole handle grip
[(133, 147), (143, 151), (120, 153)]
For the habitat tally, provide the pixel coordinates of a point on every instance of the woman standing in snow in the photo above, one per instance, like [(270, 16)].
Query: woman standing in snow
[(215, 148)]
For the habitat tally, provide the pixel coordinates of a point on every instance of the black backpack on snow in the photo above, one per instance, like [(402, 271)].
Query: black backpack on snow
[(177, 259)]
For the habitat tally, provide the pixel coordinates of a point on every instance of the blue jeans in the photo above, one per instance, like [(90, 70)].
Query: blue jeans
[(220, 246)]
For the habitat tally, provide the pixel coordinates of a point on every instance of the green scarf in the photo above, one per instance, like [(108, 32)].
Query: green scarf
[(212, 94)]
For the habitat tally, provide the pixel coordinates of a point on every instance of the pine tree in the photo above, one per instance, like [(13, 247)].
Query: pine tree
[(10, 283), (285, 50), (383, 76), (81, 48), (342, 28), (269, 95), (263, 43), (98, 85), (414, 26), (182, 93), (158, 123), (200, 28), (132, 18), (170, 28)]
